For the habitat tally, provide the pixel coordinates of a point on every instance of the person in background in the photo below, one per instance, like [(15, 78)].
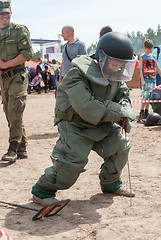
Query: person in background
[(15, 51), (39, 73), (137, 65), (59, 66), (148, 66), (50, 63), (38, 80), (54, 74), (45, 74), (71, 49), (105, 30), (39, 66)]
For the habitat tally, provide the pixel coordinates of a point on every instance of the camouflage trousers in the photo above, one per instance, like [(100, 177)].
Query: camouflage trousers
[(14, 93)]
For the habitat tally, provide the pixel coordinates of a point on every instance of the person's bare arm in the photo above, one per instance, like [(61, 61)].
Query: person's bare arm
[(12, 63), (141, 72)]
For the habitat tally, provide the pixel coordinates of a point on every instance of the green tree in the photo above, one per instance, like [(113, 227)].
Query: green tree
[(91, 50), (158, 40), (36, 56), (138, 39), (151, 34)]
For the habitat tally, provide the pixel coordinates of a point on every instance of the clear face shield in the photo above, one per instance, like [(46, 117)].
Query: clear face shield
[(115, 69)]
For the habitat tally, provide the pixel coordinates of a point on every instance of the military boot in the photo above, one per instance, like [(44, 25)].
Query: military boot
[(146, 113), (124, 192), (44, 201), (21, 151), (142, 114), (11, 154)]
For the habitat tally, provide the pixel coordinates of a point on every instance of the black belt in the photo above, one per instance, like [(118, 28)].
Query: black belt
[(12, 73)]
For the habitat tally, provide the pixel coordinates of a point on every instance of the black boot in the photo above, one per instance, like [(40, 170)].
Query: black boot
[(11, 155), (21, 151), (146, 113), (142, 114)]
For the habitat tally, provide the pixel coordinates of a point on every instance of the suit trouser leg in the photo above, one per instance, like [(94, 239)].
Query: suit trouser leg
[(69, 157), (114, 149)]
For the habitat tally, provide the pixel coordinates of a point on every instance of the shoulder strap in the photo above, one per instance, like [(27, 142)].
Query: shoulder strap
[(93, 56), (158, 51), (67, 53)]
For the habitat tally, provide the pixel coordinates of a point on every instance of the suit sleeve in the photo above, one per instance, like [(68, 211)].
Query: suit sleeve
[(85, 104)]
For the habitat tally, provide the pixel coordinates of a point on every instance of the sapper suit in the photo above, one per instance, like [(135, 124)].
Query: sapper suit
[(88, 110)]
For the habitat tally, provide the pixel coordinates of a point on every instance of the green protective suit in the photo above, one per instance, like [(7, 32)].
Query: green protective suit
[(88, 109), (15, 40)]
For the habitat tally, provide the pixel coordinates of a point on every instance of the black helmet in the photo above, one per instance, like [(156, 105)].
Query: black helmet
[(153, 119), (116, 45)]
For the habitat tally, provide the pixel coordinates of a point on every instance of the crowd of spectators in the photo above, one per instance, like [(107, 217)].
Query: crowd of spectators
[(44, 77)]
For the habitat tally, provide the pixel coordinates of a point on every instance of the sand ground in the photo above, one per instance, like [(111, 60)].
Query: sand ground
[(90, 214)]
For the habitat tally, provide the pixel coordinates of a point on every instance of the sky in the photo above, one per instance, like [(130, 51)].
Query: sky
[(46, 18)]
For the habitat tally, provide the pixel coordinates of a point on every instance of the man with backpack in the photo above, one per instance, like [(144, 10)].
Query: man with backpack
[(71, 49)]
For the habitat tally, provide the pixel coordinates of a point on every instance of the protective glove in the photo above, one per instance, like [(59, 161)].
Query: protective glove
[(128, 125), (127, 112)]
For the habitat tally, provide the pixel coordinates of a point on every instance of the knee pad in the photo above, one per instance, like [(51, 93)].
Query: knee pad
[(60, 176), (66, 176), (112, 167)]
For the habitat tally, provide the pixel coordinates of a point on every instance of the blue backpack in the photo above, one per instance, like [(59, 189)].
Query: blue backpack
[(155, 96), (156, 52), (57, 71)]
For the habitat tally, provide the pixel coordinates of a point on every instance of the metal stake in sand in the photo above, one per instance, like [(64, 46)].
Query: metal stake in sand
[(128, 166), (47, 210)]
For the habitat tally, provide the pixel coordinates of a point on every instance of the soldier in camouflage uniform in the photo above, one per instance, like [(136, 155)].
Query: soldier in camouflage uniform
[(91, 104), (15, 50)]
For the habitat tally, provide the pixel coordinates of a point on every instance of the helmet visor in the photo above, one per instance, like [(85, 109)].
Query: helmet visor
[(116, 69)]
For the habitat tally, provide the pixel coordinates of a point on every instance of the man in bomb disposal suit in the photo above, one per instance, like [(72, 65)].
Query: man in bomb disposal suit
[(15, 50), (91, 104)]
